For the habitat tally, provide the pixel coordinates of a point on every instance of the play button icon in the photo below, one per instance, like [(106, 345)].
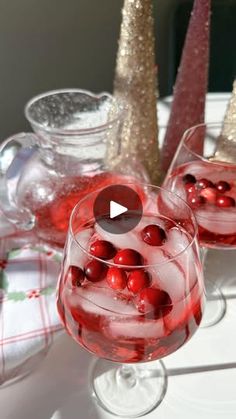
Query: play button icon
[(118, 208)]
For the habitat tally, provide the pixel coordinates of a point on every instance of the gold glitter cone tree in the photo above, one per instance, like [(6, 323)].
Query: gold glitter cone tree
[(135, 86), (226, 148)]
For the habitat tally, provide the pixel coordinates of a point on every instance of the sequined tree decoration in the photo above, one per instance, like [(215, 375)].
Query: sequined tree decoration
[(188, 107), (135, 87), (226, 147)]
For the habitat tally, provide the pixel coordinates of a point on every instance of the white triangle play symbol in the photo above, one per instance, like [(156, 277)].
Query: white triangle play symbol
[(116, 209)]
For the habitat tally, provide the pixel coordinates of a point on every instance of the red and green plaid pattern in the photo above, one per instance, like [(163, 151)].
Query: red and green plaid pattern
[(28, 314)]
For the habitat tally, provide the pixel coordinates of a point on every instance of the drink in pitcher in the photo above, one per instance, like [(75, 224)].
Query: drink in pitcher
[(50, 170)]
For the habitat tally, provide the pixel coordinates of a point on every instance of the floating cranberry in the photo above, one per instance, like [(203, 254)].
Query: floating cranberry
[(210, 195), (102, 249), (153, 299), (153, 235), (128, 257), (189, 187), (225, 201), (188, 178), (76, 275), (195, 200), (223, 186), (116, 278), (138, 280), (95, 270), (204, 183)]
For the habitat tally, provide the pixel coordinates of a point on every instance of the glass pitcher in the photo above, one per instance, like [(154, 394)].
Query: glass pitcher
[(45, 173)]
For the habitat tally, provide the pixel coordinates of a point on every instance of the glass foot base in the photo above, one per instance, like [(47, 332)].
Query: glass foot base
[(128, 390), (215, 306)]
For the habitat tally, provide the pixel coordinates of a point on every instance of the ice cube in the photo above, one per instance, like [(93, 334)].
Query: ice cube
[(102, 301), (77, 256), (176, 315), (179, 314), (217, 220), (178, 241), (129, 240), (167, 274), (136, 329), (208, 171), (169, 204)]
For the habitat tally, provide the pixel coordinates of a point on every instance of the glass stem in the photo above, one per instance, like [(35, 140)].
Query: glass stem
[(203, 253), (126, 374)]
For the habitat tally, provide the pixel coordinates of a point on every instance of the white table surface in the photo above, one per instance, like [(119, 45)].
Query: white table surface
[(58, 388)]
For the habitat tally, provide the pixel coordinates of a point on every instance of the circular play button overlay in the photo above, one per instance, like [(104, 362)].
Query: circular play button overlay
[(118, 209)]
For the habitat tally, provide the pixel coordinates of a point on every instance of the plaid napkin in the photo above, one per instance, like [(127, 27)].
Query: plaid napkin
[(28, 314)]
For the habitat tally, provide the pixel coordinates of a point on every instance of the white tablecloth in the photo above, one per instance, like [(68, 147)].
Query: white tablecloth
[(58, 389)]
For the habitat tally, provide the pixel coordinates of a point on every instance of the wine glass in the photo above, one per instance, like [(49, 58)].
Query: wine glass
[(209, 186), (133, 297)]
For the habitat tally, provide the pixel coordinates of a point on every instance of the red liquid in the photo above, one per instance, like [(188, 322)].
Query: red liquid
[(52, 209), (217, 225), (108, 323)]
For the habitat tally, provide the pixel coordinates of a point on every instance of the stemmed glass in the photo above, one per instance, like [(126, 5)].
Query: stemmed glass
[(131, 298), (209, 187)]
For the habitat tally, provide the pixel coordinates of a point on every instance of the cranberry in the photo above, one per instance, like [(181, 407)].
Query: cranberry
[(188, 178), (153, 235), (223, 186), (225, 201), (138, 280), (116, 278), (128, 257), (150, 299), (204, 183), (196, 200), (76, 275), (189, 187), (210, 195), (102, 249), (95, 271)]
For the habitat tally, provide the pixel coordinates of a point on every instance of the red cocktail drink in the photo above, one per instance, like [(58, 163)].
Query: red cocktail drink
[(134, 313), (210, 190)]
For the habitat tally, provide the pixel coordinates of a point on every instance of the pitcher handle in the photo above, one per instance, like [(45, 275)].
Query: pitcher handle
[(10, 168)]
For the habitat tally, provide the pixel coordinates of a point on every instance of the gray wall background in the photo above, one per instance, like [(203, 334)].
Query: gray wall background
[(48, 44)]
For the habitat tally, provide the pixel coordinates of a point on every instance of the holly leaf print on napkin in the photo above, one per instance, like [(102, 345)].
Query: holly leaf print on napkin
[(16, 296), (4, 284)]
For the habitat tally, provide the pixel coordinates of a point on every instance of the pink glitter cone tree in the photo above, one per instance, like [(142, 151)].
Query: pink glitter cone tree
[(188, 107)]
